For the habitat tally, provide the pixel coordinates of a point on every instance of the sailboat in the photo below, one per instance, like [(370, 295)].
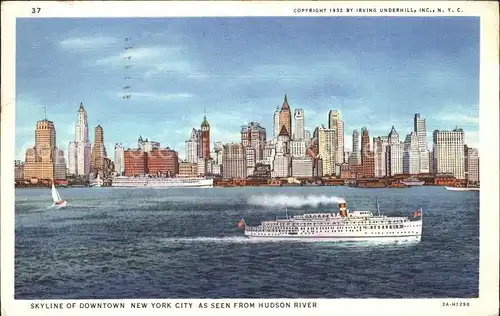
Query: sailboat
[(58, 201)]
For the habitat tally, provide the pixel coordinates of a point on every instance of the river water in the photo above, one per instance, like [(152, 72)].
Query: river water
[(112, 243)]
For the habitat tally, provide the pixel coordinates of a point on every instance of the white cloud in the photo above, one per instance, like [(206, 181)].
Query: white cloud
[(141, 55), (460, 119), (86, 43), (471, 138), (460, 115)]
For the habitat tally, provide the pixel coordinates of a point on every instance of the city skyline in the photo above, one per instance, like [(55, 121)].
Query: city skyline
[(437, 78)]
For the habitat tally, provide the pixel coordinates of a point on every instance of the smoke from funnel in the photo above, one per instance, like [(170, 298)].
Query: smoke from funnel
[(293, 201)]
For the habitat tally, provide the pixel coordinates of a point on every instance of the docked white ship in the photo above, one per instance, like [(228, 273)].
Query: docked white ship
[(342, 226), (412, 182), (468, 188), (151, 182)]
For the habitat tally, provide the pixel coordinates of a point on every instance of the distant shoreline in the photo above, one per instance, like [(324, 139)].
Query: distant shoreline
[(237, 186)]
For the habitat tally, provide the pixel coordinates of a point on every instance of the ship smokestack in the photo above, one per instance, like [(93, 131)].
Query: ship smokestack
[(342, 209)]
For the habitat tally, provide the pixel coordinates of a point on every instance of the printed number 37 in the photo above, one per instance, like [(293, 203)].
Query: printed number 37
[(35, 10)]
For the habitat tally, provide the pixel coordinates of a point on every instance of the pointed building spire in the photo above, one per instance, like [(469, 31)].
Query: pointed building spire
[(285, 105), (82, 109), (205, 121)]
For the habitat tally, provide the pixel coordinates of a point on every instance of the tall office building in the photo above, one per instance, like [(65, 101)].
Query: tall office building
[(449, 152), (234, 161), (393, 136), (395, 159), (297, 148), (79, 150), (205, 139), (335, 123), (420, 130), (411, 155), (380, 145), (276, 122), (299, 133), (45, 160), (394, 154), (254, 135), (472, 165), (218, 153), (281, 161), (192, 147), (355, 158), (285, 117), (98, 151), (365, 143), (119, 159), (250, 159), (327, 149)]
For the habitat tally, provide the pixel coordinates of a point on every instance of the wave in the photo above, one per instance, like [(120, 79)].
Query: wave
[(293, 201)]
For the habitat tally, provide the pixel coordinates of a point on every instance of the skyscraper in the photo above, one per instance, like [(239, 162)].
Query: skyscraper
[(45, 160), (449, 152), (205, 139), (355, 158), (411, 154), (393, 136), (380, 145), (299, 133), (79, 150), (98, 151), (276, 122), (395, 158), (327, 149), (254, 135), (192, 146), (420, 130), (365, 143), (119, 159), (335, 123), (395, 152), (285, 117), (281, 161), (473, 165), (234, 161)]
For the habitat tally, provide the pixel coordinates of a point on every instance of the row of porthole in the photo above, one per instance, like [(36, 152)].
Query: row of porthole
[(392, 233)]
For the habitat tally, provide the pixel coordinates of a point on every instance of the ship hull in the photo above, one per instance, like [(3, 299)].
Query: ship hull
[(461, 189), (162, 183), (61, 204), (390, 239), (413, 184)]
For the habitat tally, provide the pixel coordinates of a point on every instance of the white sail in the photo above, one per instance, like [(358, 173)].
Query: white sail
[(55, 194)]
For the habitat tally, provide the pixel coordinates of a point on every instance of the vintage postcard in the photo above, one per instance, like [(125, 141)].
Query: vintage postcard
[(222, 158)]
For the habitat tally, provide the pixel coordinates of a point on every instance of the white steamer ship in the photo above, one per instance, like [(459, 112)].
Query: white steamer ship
[(412, 182), (148, 182), (462, 188), (342, 226)]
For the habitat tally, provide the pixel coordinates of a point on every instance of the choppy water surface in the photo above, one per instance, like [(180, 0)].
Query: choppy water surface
[(183, 243)]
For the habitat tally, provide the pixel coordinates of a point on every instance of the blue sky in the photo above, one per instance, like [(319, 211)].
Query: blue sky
[(377, 72)]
